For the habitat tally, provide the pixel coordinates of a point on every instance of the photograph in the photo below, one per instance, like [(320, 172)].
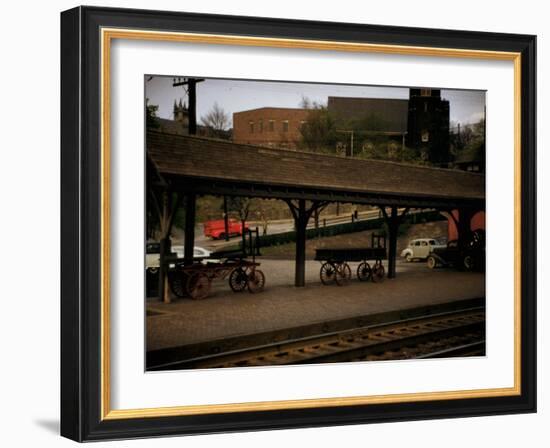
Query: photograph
[(282, 223), (309, 223)]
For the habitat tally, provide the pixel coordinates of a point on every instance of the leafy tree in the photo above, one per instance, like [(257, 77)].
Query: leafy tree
[(470, 138), (318, 133), (151, 118)]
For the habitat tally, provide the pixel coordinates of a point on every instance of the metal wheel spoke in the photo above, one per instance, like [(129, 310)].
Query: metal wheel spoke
[(328, 273), (238, 280), (364, 271), (256, 281)]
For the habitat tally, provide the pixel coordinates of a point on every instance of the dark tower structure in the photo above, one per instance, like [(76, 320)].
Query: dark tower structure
[(428, 125), (181, 113)]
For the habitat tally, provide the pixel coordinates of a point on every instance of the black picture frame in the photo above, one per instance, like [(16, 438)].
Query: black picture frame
[(81, 208)]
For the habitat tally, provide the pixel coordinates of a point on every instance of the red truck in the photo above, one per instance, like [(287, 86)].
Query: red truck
[(216, 229)]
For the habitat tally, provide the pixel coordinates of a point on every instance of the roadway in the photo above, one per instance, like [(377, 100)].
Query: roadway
[(279, 226)]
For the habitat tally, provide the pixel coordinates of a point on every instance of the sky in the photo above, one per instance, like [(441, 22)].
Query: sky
[(466, 106)]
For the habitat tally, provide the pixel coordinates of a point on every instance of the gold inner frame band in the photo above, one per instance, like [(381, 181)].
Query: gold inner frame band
[(107, 35)]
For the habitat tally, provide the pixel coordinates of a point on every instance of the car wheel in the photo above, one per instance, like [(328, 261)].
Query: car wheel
[(468, 263), (408, 257), (431, 262)]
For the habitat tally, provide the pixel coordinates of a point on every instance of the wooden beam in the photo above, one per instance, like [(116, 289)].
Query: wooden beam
[(393, 227), (301, 226), (238, 188), (164, 242), (393, 221), (189, 244)]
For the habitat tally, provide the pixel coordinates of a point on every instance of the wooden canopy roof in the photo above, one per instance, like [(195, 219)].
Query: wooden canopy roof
[(210, 166)]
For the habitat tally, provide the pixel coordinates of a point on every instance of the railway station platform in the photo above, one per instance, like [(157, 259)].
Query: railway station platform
[(185, 327)]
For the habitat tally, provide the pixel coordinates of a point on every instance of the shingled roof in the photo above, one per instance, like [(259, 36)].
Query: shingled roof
[(190, 157), (172, 126)]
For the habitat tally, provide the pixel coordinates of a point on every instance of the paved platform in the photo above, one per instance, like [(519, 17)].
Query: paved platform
[(225, 314)]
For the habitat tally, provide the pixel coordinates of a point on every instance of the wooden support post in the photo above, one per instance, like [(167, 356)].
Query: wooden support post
[(164, 249), (301, 219), (393, 226), (463, 226), (189, 245), (392, 221), (167, 215)]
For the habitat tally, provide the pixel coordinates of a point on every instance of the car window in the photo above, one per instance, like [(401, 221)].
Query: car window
[(432, 242), (417, 243), (152, 248), (424, 243)]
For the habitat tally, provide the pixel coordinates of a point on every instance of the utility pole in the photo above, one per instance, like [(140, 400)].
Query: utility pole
[(191, 84), (191, 199), (351, 133)]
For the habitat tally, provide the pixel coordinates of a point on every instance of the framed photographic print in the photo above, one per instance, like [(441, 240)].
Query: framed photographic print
[(273, 224)]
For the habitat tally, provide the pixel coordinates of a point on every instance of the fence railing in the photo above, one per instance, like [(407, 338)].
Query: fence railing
[(277, 239)]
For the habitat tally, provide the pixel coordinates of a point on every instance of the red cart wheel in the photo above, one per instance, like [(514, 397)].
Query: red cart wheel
[(256, 281), (378, 272), (198, 285), (343, 274)]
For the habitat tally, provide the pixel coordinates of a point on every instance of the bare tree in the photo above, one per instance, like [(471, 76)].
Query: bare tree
[(241, 205), (216, 119), (317, 214), (263, 217)]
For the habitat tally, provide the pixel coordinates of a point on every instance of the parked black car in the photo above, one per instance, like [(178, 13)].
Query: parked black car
[(469, 257)]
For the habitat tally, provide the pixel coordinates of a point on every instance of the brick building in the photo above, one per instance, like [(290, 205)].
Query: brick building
[(269, 126), (420, 123), (391, 114)]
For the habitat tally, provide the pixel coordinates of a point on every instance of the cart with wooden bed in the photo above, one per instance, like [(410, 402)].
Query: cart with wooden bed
[(336, 270), (195, 280)]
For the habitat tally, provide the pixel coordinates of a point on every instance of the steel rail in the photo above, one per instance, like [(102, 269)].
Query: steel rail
[(343, 345)]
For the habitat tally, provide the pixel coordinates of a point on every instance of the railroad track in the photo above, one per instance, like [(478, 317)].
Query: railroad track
[(456, 333)]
